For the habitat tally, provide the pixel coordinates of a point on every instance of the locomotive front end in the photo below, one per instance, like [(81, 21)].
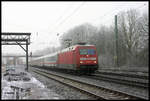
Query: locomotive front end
[(88, 59)]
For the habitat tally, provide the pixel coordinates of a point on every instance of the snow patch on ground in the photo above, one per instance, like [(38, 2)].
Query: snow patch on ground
[(38, 90), (35, 81)]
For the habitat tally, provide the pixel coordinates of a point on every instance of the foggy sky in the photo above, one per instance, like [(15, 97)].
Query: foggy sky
[(45, 19)]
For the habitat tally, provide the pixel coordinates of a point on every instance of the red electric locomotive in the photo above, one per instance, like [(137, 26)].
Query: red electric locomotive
[(82, 58), (79, 58)]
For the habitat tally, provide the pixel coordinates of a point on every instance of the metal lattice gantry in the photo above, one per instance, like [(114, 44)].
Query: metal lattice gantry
[(10, 38), (15, 38)]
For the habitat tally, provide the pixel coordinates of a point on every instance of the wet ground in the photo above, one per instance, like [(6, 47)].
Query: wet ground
[(19, 84)]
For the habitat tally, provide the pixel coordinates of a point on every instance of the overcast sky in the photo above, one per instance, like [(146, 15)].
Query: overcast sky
[(49, 18)]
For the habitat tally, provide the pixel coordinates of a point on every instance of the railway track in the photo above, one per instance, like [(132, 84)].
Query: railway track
[(121, 79), (95, 91), (135, 74)]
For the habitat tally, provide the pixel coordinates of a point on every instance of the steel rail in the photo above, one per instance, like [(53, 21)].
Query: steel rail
[(97, 91), (125, 81), (125, 74)]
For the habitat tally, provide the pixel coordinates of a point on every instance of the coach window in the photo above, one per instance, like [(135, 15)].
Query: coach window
[(47, 59), (50, 58)]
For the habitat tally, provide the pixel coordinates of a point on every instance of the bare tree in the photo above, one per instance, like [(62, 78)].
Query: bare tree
[(80, 33), (143, 30), (127, 26), (134, 30)]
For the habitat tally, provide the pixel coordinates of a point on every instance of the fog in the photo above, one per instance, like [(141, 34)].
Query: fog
[(44, 20)]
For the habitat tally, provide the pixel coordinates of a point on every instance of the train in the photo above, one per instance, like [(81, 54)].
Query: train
[(78, 58)]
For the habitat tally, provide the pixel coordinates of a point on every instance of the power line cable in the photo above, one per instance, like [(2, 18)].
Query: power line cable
[(117, 11), (61, 16), (69, 15)]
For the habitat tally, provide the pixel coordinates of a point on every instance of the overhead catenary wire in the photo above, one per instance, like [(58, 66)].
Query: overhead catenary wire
[(71, 15), (103, 15), (117, 11), (121, 9), (62, 15), (59, 18), (109, 12), (75, 10)]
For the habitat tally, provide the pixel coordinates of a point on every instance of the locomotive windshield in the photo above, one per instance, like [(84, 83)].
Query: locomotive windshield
[(87, 51)]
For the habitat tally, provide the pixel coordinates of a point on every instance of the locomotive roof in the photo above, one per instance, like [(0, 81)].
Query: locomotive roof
[(73, 47)]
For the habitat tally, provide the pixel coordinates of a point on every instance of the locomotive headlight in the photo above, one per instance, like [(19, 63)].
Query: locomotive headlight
[(81, 61), (94, 61)]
